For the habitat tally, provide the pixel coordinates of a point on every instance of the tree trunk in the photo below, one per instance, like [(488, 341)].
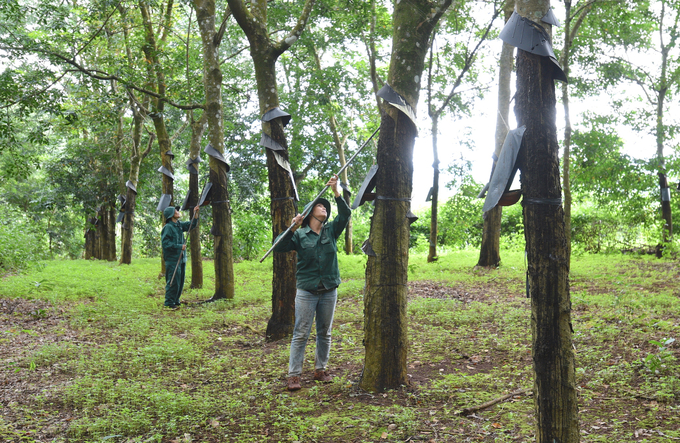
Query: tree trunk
[(489, 252), (264, 53), (106, 233), (90, 238), (212, 79), (432, 254), (128, 225), (150, 49), (662, 90), (385, 321), (197, 129), (547, 254)]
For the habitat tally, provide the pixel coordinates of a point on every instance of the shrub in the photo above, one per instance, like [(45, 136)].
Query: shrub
[(19, 244)]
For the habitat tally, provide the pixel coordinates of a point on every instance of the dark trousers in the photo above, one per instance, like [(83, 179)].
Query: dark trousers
[(174, 291)]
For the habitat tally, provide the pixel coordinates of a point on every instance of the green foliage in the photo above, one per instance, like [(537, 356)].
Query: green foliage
[(658, 361), (20, 243)]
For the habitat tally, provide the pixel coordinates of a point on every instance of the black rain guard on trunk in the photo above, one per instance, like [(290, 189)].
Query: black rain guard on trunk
[(190, 164), (214, 153), (205, 195), (167, 172), (529, 36), (185, 205), (505, 169), (131, 186), (366, 187), (164, 202), (550, 18), (270, 143), (169, 153), (392, 97), (277, 113), (429, 194)]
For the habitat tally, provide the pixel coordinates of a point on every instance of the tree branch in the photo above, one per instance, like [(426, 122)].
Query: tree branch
[(285, 43)]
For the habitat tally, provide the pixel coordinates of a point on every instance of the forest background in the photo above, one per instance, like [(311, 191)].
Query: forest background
[(68, 141)]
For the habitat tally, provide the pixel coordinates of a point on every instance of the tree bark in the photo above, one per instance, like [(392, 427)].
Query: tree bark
[(548, 265), (385, 321), (128, 225), (489, 252), (264, 53), (90, 238), (212, 80), (106, 233), (432, 253), (158, 84), (662, 90), (197, 130)]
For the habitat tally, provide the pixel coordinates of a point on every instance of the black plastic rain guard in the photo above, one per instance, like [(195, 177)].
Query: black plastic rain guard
[(276, 113), (504, 172), (165, 171), (205, 194), (164, 202), (214, 153), (531, 37), (391, 96), (270, 143), (366, 187)]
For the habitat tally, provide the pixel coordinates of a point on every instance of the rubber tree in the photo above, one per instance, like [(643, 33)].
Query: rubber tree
[(385, 321), (489, 251), (574, 15), (219, 193), (158, 85), (436, 111), (555, 402), (198, 127), (264, 51)]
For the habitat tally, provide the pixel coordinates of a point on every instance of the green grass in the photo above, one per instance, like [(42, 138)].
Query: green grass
[(97, 358)]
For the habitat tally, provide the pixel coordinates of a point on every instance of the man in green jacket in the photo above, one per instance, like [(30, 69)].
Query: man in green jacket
[(318, 277), (174, 253)]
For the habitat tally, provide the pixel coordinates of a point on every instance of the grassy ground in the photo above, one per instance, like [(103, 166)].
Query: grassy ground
[(88, 354)]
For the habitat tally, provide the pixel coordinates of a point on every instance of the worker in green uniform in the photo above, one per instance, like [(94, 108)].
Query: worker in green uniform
[(318, 277), (174, 253)]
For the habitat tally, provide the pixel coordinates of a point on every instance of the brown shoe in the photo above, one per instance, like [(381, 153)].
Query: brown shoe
[(294, 383), (322, 376)]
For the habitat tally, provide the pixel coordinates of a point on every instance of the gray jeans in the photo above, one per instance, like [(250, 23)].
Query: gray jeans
[(307, 306)]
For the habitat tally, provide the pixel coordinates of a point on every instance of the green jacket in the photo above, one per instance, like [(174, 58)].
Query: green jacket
[(172, 239), (317, 254)]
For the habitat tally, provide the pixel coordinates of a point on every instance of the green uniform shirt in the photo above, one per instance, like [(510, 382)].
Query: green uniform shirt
[(317, 263), (172, 239)]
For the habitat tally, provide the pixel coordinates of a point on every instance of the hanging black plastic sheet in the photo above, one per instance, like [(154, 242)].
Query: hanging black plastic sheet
[(286, 165), (505, 169), (550, 18), (166, 171), (270, 143), (130, 186), (392, 97), (429, 194), (185, 205), (217, 155), (363, 194), (276, 113), (531, 37), (205, 195), (164, 202), (190, 164)]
